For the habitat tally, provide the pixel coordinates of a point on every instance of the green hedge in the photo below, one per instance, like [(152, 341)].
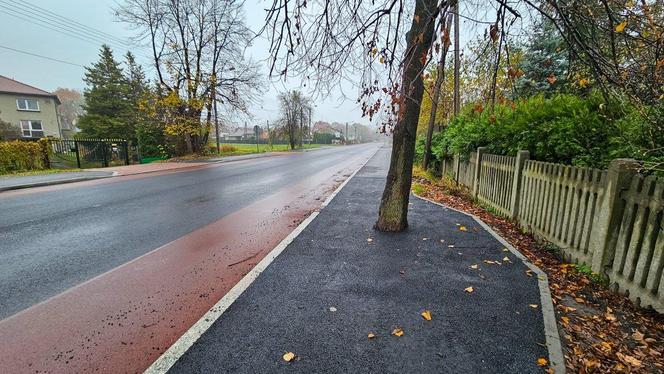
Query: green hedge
[(17, 156), (563, 128)]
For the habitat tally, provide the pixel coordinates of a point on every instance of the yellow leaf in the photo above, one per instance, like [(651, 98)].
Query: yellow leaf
[(426, 315), (371, 335), (469, 289), (534, 306), (631, 360), (506, 259), (542, 361), (565, 320), (397, 332), (621, 26), (462, 228), (289, 356), (529, 273), (474, 266)]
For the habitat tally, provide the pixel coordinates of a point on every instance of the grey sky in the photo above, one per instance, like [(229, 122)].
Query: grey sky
[(18, 32)]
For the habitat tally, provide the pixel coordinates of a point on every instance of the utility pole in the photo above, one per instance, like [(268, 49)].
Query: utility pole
[(301, 126), (269, 137), (346, 134), (216, 122), (457, 101), (311, 134)]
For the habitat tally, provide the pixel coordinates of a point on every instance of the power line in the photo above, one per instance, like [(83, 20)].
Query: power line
[(57, 27), (79, 26), (41, 56)]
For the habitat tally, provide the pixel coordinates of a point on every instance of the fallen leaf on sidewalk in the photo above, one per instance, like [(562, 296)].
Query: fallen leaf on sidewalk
[(462, 228), (426, 315), (542, 361), (371, 335), (529, 273), (506, 259), (369, 240), (469, 289), (474, 266), (425, 238), (534, 306), (333, 309), (397, 332), (288, 356), (505, 250), (450, 246)]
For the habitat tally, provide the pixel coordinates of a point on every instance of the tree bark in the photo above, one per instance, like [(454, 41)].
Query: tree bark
[(392, 215), (440, 78)]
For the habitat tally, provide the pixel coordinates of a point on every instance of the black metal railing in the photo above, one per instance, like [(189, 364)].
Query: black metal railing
[(87, 153)]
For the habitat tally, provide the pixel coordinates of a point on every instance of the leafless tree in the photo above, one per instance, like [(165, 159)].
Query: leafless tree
[(295, 112), (198, 53)]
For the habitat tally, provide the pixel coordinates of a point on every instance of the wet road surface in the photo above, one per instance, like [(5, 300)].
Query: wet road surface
[(105, 275)]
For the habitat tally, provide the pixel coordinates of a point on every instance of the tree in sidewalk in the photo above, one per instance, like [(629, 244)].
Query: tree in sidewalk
[(348, 39), (437, 86), (295, 111), (106, 102)]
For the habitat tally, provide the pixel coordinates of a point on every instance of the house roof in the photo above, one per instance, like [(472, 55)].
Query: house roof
[(8, 85)]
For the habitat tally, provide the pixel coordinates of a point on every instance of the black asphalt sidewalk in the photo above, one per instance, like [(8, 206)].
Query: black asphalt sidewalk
[(340, 280)]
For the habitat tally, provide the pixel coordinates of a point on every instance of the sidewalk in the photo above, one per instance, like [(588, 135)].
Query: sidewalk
[(340, 280), (11, 182)]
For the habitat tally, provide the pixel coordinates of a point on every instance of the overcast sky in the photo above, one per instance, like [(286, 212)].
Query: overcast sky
[(18, 31)]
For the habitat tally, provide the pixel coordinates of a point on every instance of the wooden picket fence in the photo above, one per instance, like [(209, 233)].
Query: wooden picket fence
[(611, 220)]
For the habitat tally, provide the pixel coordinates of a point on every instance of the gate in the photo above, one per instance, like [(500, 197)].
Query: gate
[(89, 153)]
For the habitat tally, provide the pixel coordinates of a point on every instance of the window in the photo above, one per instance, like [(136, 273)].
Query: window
[(32, 129), (28, 104)]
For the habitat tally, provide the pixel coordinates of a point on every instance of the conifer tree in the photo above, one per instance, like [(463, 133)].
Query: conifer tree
[(106, 100)]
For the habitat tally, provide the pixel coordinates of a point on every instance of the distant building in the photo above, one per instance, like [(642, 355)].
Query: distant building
[(30, 109)]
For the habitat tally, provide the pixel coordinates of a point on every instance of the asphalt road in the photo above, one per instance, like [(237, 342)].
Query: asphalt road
[(55, 239)]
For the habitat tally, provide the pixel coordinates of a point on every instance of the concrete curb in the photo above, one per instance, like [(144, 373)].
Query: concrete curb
[(180, 347), (54, 182), (556, 357)]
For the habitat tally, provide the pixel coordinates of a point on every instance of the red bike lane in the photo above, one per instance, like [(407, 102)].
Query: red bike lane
[(122, 320)]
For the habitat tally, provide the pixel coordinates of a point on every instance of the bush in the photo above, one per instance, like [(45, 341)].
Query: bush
[(17, 156), (563, 128), (228, 148)]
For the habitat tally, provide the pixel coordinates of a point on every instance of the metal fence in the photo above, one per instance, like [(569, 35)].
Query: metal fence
[(611, 220), (87, 153)]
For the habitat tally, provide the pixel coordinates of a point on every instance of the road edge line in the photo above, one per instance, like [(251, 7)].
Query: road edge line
[(554, 347), (186, 340)]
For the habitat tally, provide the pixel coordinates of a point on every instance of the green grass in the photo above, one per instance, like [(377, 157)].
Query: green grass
[(245, 149), (39, 172)]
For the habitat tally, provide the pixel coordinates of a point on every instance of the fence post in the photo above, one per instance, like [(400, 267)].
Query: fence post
[(126, 150), (521, 158), (478, 168), (456, 168), (605, 232), (78, 158)]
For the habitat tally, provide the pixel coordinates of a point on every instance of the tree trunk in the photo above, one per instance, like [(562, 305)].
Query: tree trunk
[(440, 78), (393, 212)]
